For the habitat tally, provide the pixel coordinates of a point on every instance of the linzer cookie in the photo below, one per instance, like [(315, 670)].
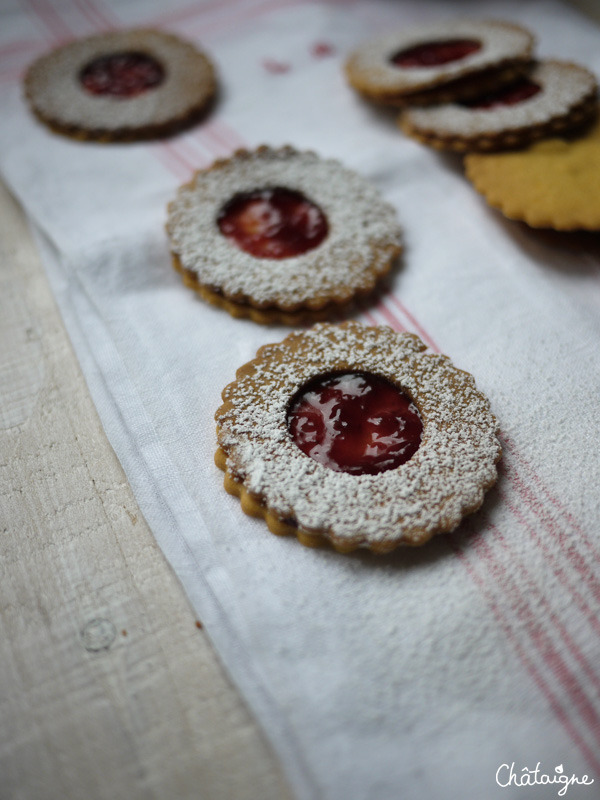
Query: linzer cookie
[(281, 235), (357, 436), (553, 184), (555, 97), (124, 86), (439, 63)]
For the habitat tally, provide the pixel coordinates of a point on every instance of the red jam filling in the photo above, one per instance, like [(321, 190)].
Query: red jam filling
[(122, 74), (273, 223), (355, 422), (434, 54), (508, 96)]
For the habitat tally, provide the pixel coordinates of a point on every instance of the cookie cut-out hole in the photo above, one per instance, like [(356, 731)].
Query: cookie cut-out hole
[(434, 54), (123, 75), (355, 422), (511, 95), (273, 223)]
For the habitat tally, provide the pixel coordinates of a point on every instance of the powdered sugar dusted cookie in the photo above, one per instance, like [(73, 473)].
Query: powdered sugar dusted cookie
[(554, 97), (121, 86), (280, 235), (553, 184), (439, 63), (358, 436)]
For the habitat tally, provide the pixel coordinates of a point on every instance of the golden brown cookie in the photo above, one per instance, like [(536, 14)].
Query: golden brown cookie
[(439, 63), (554, 97), (281, 235), (553, 184), (123, 86), (357, 436)]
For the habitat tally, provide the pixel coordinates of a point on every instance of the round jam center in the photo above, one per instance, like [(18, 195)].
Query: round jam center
[(433, 54), (273, 223), (509, 96), (122, 74), (355, 422)]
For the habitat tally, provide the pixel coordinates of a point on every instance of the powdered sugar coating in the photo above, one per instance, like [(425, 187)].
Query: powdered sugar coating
[(563, 87), (53, 87), (443, 481), (363, 238), (370, 65)]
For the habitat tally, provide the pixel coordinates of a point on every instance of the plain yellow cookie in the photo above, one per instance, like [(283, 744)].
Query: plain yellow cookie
[(552, 184)]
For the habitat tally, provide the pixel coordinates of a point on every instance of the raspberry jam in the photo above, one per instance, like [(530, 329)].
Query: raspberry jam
[(355, 422), (508, 96), (122, 74), (273, 223), (434, 54)]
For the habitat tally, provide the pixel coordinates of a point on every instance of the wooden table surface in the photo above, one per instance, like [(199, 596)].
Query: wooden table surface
[(108, 686)]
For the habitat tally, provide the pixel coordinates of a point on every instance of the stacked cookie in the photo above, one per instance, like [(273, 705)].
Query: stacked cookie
[(473, 87), (282, 236), (125, 86)]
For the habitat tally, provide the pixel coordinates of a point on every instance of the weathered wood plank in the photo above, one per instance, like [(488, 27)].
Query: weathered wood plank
[(107, 687)]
